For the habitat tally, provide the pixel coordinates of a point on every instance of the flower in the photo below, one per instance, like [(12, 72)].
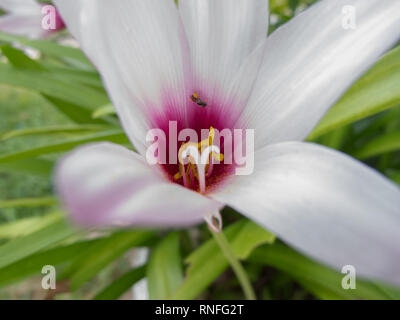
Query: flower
[(159, 62), (24, 18)]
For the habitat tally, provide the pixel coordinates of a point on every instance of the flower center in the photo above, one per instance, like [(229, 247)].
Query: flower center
[(199, 139), (196, 161)]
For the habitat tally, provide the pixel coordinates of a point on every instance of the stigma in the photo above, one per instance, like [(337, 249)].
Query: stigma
[(196, 161)]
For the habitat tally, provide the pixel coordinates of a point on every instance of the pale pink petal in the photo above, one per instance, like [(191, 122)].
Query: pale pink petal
[(107, 185), (20, 7), (325, 204), (312, 60), (141, 51), (221, 35), (29, 25)]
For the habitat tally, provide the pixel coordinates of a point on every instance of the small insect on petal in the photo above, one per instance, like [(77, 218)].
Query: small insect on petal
[(196, 99)]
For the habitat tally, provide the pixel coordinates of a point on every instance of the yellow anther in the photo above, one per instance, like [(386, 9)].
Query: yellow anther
[(208, 141), (201, 146), (192, 165), (177, 175), (219, 157)]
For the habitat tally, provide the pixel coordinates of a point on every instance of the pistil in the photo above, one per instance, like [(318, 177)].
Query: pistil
[(199, 159)]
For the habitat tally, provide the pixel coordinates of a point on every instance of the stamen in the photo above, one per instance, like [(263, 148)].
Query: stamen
[(192, 173), (200, 157), (205, 156), (184, 176), (210, 168)]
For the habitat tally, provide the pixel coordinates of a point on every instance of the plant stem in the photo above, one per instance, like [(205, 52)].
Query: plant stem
[(235, 264)]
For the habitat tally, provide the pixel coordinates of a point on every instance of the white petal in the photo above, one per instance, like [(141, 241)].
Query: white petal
[(107, 185), (311, 61), (141, 51), (20, 6), (324, 203), (221, 35), (23, 25)]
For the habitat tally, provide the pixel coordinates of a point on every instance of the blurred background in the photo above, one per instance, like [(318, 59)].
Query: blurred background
[(51, 100)]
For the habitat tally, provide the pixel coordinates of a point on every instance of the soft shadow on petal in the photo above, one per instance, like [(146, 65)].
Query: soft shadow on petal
[(23, 25), (20, 6), (221, 35), (312, 60), (325, 204), (108, 185), (141, 51)]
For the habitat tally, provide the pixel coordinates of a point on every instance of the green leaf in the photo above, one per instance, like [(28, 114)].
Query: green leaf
[(20, 248), (207, 262), (164, 270), (23, 227), (34, 263), (337, 138), (116, 136), (119, 286), (322, 281), (50, 48), (386, 143), (389, 290), (47, 84), (90, 262), (394, 175), (74, 112), (60, 129), (28, 202), (103, 111), (60, 85), (376, 91), (250, 236), (37, 167), (383, 121), (19, 60), (89, 78), (293, 4), (72, 109)]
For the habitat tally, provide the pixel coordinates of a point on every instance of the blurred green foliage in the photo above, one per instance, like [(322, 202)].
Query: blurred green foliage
[(51, 104), (20, 109)]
